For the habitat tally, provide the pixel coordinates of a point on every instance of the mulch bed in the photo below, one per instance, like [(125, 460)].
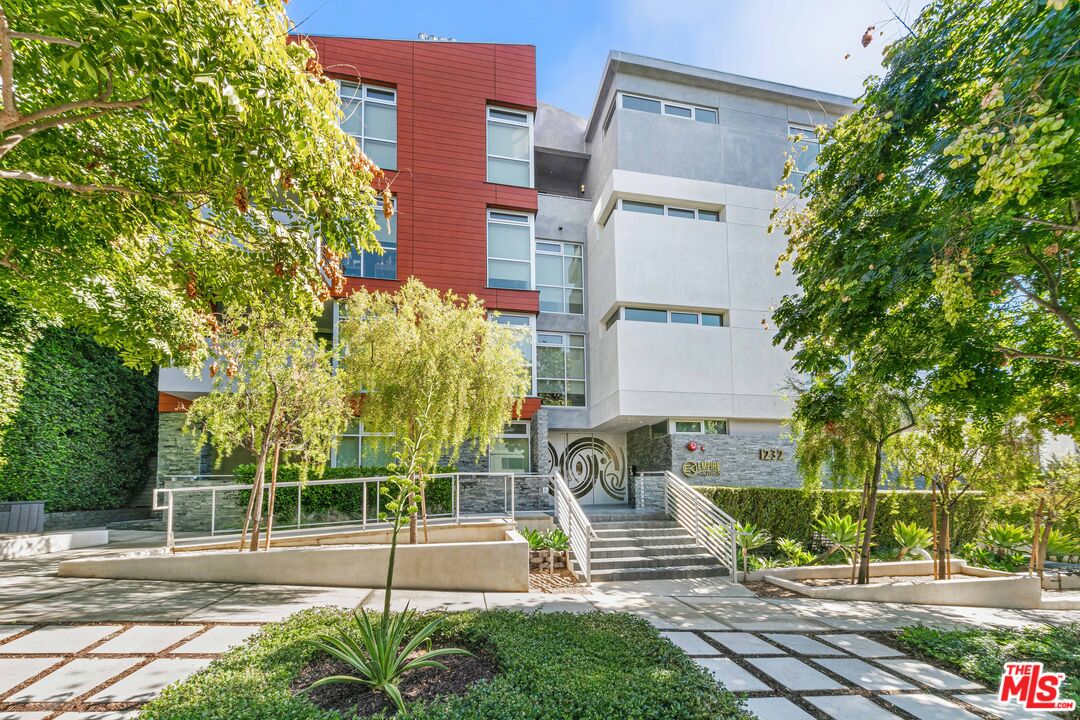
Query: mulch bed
[(768, 590), (560, 581), (423, 685)]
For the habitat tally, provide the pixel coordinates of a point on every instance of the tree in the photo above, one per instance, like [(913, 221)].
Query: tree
[(436, 375), (1056, 496), (939, 237), (954, 455), (159, 158), (841, 424), (277, 393)]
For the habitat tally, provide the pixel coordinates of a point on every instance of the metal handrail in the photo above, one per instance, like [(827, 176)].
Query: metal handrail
[(710, 526), (572, 520), (164, 500)]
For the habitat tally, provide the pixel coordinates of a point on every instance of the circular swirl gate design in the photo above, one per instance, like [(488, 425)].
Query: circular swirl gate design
[(589, 460)]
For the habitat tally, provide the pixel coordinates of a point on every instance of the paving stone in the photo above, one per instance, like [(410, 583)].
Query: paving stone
[(742, 643), (76, 678), (988, 703), (861, 646), (7, 631), (864, 674), (795, 674), (24, 715), (752, 615), (16, 671), (104, 715), (850, 707), (776, 708), (930, 707), (147, 639), (690, 643), (929, 675), (731, 676), (803, 644), (59, 639), (217, 639), (148, 681)]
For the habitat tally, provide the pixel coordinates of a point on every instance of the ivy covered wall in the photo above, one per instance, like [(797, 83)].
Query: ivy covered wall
[(77, 428)]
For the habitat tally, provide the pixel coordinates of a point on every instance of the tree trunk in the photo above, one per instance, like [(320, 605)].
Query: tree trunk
[(423, 507), (260, 469), (934, 530), (1042, 548), (1033, 562), (871, 510), (946, 542), (412, 515), (273, 496), (858, 535)]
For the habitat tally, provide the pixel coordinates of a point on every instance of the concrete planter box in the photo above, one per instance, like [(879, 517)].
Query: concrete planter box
[(30, 545), (22, 517), (494, 558)]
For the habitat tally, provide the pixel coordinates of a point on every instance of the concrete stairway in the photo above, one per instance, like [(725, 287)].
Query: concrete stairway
[(650, 548)]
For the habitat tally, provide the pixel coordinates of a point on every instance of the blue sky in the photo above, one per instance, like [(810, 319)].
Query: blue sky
[(801, 43)]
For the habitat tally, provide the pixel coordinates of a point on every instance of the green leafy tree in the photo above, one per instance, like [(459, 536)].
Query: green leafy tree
[(275, 391), (158, 158), (938, 240), (1056, 496)]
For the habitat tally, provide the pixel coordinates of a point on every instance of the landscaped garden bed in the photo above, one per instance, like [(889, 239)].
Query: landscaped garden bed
[(540, 666)]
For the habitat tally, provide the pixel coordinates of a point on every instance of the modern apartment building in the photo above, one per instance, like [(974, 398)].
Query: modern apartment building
[(631, 243)]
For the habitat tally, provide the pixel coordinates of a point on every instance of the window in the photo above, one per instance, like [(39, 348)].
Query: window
[(371, 118), (677, 317), (658, 107), (510, 250), (360, 447), (560, 369), (510, 452), (670, 211), (659, 429), (645, 315), (560, 277), (373, 265), (526, 342), (805, 149), (509, 147), (701, 427)]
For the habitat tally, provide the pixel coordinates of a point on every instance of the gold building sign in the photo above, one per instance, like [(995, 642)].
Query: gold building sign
[(705, 468)]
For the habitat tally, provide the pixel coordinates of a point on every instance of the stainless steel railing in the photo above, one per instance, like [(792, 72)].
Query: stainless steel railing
[(711, 527), (572, 520)]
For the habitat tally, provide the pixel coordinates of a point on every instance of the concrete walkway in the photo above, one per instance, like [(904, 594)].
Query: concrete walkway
[(797, 658)]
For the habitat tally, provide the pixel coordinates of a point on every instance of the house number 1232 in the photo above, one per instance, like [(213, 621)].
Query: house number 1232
[(768, 454)]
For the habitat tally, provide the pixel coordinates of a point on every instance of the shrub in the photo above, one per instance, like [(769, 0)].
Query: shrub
[(552, 666), (911, 538), (792, 512), (1005, 538), (77, 427)]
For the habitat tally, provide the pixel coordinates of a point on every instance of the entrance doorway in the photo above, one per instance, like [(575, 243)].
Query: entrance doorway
[(593, 465)]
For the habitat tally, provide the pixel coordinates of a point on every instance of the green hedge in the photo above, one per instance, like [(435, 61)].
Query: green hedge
[(791, 512), (77, 428), (340, 498), (552, 666)]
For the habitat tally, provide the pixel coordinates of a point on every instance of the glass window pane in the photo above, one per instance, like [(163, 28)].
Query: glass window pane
[(551, 300), (515, 320), (508, 217), (348, 452), (575, 275), (716, 427), (681, 213), (548, 247), (549, 339), (353, 121), (575, 363), (575, 302), (508, 241), (576, 340), (508, 172), (551, 392), (643, 207), (705, 116), (383, 154), (348, 89), (509, 455), (659, 429), (712, 215), (380, 122), (381, 266), (352, 265), (684, 318), (375, 451), (643, 315), (687, 426), (644, 104), (575, 393), (379, 94), (508, 274), (549, 269), (573, 249), (508, 141), (712, 320), (507, 115), (677, 110), (550, 362), (516, 429)]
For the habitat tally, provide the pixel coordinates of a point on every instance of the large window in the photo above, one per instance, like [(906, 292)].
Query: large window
[(510, 452), (805, 150), (510, 250), (509, 147), (560, 277), (662, 107), (701, 427), (686, 213), (526, 343), (560, 369), (373, 265), (371, 118), (359, 447), (675, 317)]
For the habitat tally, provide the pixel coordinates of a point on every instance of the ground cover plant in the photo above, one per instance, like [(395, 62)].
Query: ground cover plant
[(591, 666), (981, 653)]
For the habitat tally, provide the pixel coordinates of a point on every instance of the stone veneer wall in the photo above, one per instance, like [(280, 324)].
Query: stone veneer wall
[(176, 454), (740, 464), (92, 518), (646, 453)]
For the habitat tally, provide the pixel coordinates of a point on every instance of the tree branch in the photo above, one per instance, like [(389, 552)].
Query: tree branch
[(8, 144), (1013, 354), (51, 39), (79, 187), (98, 103), (1047, 223), (1052, 307), (7, 69)]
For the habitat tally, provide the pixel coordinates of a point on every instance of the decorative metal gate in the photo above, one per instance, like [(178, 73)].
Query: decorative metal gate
[(594, 466)]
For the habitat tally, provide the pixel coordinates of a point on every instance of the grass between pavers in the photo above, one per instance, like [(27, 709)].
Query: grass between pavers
[(553, 666), (981, 653)]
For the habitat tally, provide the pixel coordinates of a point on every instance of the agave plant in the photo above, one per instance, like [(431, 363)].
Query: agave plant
[(379, 652), (748, 537), (1005, 538), (535, 538), (1061, 544), (912, 539), (556, 540), (795, 552), (841, 532)]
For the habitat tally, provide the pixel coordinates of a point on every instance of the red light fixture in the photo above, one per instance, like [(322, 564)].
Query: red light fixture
[(691, 446)]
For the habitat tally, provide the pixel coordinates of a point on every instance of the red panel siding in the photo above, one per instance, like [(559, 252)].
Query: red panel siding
[(441, 180)]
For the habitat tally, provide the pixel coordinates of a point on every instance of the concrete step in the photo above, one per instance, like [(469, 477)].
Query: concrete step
[(616, 530), (605, 543), (630, 550), (595, 518), (654, 561), (659, 573), (635, 525)]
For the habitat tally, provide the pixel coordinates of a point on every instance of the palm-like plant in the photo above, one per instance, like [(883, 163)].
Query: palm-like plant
[(795, 552), (379, 652), (1061, 544), (912, 539), (841, 532), (1005, 538), (557, 540), (748, 537)]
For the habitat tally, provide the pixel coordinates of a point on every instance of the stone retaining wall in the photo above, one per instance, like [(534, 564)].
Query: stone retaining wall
[(92, 518)]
